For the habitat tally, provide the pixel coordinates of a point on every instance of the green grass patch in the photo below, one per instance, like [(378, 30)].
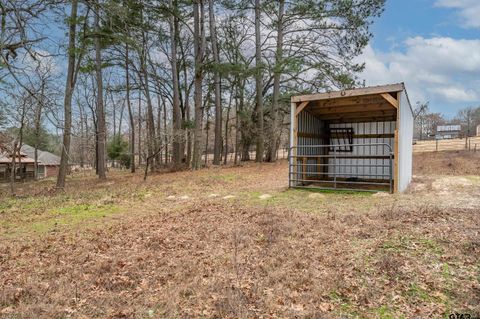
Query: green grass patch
[(346, 307), (385, 312), (418, 292), (229, 177), (406, 243), (313, 200), (74, 215), (60, 217)]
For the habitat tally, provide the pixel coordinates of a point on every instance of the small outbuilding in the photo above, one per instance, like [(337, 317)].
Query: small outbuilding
[(352, 139), (445, 132)]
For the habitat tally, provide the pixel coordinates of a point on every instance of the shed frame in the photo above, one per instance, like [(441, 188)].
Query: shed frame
[(352, 139)]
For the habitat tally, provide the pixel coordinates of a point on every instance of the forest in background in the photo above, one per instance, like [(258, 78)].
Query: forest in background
[(165, 83)]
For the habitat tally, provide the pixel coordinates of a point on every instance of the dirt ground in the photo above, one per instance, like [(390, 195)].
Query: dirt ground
[(236, 243)]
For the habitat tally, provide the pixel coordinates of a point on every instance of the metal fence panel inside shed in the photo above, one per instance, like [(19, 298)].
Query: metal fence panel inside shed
[(368, 168)]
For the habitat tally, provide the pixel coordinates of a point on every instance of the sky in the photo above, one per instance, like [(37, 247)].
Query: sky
[(433, 46)]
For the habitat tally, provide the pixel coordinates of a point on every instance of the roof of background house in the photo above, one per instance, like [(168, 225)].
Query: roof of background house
[(44, 157), (28, 155), (449, 128), (6, 159)]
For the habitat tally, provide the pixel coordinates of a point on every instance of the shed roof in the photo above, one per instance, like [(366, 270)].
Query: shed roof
[(388, 88), (368, 104)]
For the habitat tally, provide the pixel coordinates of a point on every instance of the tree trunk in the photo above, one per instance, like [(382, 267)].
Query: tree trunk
[(20, 143), (130, 113), (164, 105), (188, 156), (177, 120), (38, 121), (207, 129), (225, 158), (199, 40), (151, 138), (67, 103), (82, 136), (158, 158), (245, 138), (258, 86), (139, 128), (274, 135), (237, 124), (12, 172), (100, 107), (217, 146)]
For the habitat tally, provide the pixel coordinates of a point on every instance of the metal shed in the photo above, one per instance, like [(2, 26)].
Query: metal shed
[(353, 139)]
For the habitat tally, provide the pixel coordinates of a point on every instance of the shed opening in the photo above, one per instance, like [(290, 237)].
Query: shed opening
[(355, 139)]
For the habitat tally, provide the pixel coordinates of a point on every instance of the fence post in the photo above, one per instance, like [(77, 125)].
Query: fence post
[(391, 171), (334, 166)]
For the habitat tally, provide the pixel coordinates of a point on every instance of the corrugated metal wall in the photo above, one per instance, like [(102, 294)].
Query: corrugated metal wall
[(309, 124), (405, 143), (365, 168)]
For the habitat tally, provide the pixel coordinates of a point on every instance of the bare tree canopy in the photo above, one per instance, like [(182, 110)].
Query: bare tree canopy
[(171, 84)]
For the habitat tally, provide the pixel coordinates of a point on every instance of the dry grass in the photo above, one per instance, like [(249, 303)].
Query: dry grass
[(167, 248), (457, 144), (447, 163)]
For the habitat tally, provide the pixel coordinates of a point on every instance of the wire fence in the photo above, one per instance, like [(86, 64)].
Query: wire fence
[(458, 144)]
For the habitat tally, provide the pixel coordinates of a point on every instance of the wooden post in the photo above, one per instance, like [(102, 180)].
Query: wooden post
[(396, 171), (293, 170)]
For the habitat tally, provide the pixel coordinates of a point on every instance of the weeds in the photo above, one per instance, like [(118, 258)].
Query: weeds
[(294, 255)]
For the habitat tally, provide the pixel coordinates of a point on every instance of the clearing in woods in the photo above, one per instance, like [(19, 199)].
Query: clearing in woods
[(234, 242)]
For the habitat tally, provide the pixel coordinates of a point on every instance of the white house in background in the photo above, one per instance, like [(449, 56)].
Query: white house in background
[(445, 132)]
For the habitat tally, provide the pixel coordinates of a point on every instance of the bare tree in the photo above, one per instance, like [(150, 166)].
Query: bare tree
[(177, 120), (258, 85), (199, 38), (100, 111), (129, 106), (274, 134), (217, 146), (69, 87)]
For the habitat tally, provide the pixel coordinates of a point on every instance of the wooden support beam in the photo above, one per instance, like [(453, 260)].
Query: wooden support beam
[(358, 115), (301, 107), (390, 99), (355, 101), (352, 109), (366, 119), (335, 135), (340, 155)]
